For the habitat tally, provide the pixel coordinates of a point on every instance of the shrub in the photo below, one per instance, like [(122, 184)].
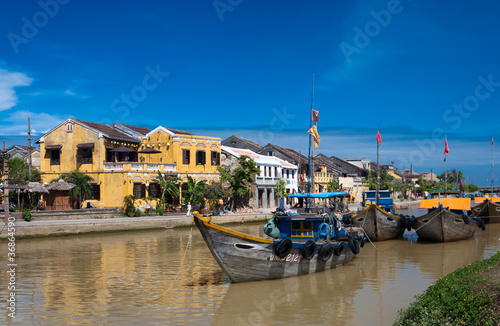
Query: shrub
[(27, 215), (137, 213)]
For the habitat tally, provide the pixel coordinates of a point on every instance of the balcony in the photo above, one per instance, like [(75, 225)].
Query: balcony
[(267, 181), (113, 166)]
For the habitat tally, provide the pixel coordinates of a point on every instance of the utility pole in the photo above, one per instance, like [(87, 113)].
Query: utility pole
[(29, 149), (5, 184)]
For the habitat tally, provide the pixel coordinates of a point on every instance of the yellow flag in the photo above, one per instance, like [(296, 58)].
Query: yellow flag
[(314, 132)]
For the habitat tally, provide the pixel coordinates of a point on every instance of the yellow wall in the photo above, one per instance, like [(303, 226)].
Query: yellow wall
[(117, 179)]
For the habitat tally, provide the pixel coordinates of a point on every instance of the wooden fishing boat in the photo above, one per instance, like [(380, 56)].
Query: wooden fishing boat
[(380, 225), (245, 258), (488, 209), (446, 220)]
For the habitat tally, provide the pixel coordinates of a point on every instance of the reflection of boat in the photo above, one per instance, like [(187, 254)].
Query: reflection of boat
[(488, 209), (380, 225), (446, 221), (304, 246)]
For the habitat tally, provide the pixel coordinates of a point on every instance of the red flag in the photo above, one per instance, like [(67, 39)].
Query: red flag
[(446, 149), (314, 115), (379, 139), (492, 143)]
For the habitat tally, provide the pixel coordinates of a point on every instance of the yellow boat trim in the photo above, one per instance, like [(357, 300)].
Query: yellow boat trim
[(207, 222), (377, 207)]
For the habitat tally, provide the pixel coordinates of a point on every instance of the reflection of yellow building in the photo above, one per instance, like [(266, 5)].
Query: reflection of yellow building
[(124, 159)]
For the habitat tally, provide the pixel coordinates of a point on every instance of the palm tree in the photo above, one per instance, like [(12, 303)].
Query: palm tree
[(168, 186), (82, 189), (195, 193)]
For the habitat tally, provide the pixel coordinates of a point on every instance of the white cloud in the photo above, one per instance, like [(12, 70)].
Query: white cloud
[(17, 123), (8, 81), (69, 92)]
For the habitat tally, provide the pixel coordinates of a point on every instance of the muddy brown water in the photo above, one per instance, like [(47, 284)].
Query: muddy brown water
[(150, 278)]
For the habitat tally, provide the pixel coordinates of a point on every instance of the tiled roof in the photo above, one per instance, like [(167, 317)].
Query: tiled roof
[(108, 131), (249, 141), (179, 132), (141, 130)]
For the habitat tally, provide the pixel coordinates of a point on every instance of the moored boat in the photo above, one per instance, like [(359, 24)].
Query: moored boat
[(305, 247), (447, 220), (488, 209), (380, 225)]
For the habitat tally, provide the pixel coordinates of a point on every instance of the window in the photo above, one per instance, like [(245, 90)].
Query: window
[(139, 190), (215, 158), (288, 174), (185, 156), (275, 172), (96, 191), (293, 174), (70, 127), (84, 155), (270, 153), (154, 190), (200, 157), (55, 157)]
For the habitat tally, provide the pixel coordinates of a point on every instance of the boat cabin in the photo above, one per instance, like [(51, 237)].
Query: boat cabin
[(385, 200), (444, 194)]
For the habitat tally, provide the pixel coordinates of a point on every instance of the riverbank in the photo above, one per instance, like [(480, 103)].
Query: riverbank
[(468, 296), (48, 228)]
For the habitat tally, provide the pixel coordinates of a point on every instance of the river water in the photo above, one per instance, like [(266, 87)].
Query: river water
[(168, 277)]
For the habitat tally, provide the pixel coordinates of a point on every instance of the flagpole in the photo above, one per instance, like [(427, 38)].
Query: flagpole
[(378, 165), (492, 164), (445, 164), (310, 147)]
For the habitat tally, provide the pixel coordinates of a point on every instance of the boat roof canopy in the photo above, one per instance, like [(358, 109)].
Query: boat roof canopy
[(320, 195), (481, 199), (444, 191), (448, 203)]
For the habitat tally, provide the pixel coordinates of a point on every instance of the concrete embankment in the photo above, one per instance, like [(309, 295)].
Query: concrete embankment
[(47, 228)]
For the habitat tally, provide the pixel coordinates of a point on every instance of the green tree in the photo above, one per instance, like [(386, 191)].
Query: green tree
[(19, 170), (333, 185), (194, 194), (82, 189), (214, 192), (169, 185), (240, 179), (386, 180), (281, 189)]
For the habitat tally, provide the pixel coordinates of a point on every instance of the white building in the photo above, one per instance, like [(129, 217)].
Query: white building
[(272, 169)]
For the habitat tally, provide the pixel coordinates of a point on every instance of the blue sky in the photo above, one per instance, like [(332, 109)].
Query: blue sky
[(245, 67)]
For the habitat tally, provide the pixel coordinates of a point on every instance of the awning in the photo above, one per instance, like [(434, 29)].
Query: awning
[(85, 145), (149, 150), (52, 147), (481, 199), (320, 195), (448, 203), (122, 149)]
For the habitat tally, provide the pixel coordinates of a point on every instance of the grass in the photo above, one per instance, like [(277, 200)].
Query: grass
[(468, 296)]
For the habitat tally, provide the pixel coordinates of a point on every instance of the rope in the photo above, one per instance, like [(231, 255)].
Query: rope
[(182, 261)]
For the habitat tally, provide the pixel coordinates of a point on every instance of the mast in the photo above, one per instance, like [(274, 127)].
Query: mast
[(445, 163), (310, 147), (492, 164), (377, 189), (29, 149)]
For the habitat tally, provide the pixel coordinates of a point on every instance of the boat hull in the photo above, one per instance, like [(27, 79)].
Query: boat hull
[(244, 258), (441, 225), (488, 211), (378, 224)]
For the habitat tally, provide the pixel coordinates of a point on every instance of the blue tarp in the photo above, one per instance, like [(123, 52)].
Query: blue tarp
[(320, 195)]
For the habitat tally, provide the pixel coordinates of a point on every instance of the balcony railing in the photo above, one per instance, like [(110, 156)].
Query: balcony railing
[(135, 166), (113, 166)]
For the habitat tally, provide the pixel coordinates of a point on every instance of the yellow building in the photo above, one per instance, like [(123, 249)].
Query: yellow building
[(125, 160), (322, 178)]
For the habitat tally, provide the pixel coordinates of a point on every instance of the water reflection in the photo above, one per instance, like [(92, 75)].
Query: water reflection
[(128, 278)]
